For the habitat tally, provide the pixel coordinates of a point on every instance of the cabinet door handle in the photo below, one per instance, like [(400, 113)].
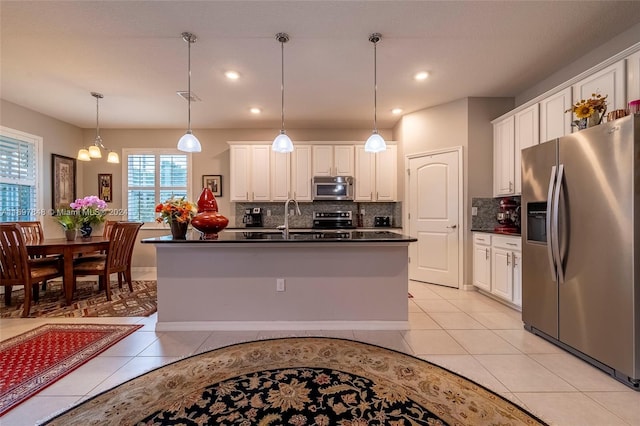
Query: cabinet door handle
[(377, 196), (452, 226), (508, 259), (510, 186), (512, 244), (371, 196), (515, 261), (486, 253), (294, 195), (246, 195)]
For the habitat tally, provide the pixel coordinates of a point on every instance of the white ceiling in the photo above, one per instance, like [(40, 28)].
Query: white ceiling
[(53, 53)]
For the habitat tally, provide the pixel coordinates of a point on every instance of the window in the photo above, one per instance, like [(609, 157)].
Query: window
[(20, 179), (153, 176)]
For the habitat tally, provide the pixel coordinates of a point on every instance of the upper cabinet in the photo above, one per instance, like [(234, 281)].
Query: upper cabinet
[(250, 178), (554, 120), (633, 77), (609, 81), (280, 176), (301, 173), (527, 126), (333, 160), (503, 157), (376, 174)]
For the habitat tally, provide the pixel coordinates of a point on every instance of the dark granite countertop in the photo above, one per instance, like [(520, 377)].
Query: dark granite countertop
[(493, 231), (272, 236)]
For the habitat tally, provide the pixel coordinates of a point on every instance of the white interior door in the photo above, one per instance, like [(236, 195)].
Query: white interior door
[(434, 206)]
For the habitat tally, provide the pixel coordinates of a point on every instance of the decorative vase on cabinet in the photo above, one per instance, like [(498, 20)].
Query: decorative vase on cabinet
[(208, 220)]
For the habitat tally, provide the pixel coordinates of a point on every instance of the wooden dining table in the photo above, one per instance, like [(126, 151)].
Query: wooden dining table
[(68, 249)]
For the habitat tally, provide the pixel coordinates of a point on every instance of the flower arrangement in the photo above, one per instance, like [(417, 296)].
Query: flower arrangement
[(90, 210), (68, 218), (592, 108), (176, 209)]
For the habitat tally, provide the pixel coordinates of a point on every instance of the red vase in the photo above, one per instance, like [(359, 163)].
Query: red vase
[(208, 220)]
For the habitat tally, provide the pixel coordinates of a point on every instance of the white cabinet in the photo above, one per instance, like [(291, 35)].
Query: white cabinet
[(554, 121), (497, 266), (503, 157), (333, 160), (280, 176), (609, 81), (250, 170), (239, 181), (301, 173), (527, 133), (376, 174), (633, 77), (505, 268), (482, 261)]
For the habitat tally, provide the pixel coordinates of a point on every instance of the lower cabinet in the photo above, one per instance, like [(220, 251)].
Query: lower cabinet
[(497, 263)]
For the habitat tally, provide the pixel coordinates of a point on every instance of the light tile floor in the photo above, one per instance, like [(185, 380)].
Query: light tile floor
[(465, 332)]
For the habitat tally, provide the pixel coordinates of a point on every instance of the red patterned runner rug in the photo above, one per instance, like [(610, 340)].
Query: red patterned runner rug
[(34, 360)]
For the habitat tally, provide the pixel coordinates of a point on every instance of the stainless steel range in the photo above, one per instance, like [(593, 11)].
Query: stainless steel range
[(333, 220)]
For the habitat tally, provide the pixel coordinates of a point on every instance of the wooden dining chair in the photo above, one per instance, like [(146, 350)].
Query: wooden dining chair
[(16, 268), (32, 232), (116, 260)]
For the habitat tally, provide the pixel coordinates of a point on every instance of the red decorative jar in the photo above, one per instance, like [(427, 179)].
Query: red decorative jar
[(208, 220)]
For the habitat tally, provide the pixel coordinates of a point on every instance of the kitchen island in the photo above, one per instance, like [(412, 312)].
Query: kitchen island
[(261, 281)]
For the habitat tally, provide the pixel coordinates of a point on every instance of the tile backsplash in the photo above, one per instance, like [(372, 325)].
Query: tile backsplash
[(486, 220), (276, 218)]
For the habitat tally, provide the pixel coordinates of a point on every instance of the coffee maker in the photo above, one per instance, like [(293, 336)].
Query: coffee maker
[(508, 216), (253, 217)]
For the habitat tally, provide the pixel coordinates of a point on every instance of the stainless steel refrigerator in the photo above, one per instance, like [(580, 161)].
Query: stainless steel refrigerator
[(580, 255)]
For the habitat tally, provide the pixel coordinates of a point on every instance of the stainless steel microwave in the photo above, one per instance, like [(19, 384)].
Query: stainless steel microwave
[(338, 188)]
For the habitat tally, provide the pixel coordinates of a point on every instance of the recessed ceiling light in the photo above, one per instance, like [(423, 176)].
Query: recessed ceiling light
[(232, 75), (396, 111), (422, 75), (255, 110)]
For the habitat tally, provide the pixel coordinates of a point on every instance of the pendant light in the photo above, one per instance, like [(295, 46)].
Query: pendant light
[(375, 143), (282, 142), (188, 142), (94, 150)]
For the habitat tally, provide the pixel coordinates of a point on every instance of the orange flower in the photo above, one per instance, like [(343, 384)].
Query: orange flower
[(177, 209)]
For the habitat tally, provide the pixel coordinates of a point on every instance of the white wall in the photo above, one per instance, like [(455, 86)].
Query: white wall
[(466, 123)]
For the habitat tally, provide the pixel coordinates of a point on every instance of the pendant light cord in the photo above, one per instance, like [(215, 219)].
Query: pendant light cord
[(375, 86), (282, 82), (97, 118), (188, 39)]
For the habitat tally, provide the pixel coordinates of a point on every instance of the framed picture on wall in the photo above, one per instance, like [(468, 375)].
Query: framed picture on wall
[(214, 183), (63, 181), (104, 187)]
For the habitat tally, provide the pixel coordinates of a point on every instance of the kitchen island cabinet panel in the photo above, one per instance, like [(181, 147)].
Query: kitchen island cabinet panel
[(232, 283)]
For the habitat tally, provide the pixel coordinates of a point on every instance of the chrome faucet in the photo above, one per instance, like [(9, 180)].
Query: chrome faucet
[(285, 227)]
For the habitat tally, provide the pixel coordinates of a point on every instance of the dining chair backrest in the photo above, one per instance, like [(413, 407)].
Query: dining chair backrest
[(31, 231), (121, 242), (108, 226), (13, 255)]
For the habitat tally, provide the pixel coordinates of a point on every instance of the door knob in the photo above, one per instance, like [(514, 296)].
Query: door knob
[(452, 226)]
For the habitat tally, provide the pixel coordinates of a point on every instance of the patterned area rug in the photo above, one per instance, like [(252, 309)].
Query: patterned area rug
[(298, 381), (34, 360), (88, 301)]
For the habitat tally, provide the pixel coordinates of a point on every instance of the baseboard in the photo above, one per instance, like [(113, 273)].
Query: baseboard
[(141, 269), (280, 325)]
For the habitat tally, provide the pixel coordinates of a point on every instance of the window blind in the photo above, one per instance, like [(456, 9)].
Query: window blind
[(18, 177), (153, 178)]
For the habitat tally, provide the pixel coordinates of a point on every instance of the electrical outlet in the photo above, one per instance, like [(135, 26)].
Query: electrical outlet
[(474, 211), (291, 212), (268, 212), (280, 284), (362, 211)]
